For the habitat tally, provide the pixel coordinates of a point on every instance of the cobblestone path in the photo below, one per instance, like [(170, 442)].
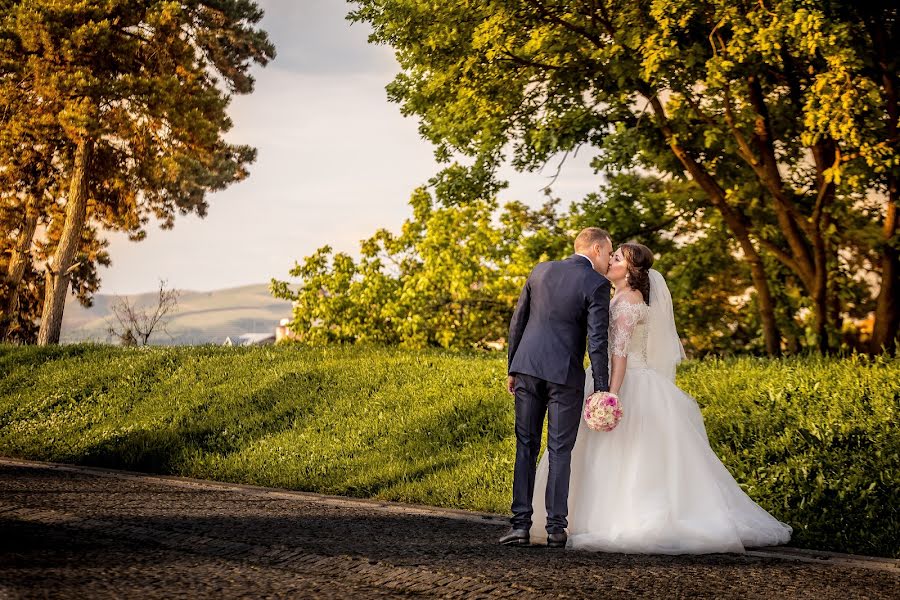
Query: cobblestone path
[(69, 533)]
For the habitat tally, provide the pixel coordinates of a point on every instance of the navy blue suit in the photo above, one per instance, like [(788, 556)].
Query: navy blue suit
[(562, 304)]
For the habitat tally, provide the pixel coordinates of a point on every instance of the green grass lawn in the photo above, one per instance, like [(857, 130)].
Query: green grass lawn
[(813, 440)]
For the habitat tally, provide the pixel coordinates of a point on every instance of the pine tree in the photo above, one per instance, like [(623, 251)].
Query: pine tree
[(138, 91)]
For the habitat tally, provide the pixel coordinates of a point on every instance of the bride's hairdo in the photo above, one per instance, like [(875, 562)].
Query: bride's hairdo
[(638, 259)]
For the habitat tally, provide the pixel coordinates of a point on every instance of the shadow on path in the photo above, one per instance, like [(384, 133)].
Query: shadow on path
[(83, 533)]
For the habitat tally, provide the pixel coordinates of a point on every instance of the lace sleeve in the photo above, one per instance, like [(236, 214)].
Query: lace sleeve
[(624, 319)]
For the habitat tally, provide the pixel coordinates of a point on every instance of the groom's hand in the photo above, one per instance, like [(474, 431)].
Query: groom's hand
[(511, 384)]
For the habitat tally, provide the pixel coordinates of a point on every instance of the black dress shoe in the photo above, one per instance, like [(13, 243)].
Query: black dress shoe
[(557, 540), (515, 537)]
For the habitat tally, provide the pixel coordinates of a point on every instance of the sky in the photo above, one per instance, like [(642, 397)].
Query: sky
[(336, 161)]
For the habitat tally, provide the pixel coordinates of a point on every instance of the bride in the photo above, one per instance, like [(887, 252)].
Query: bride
[(653, 484)]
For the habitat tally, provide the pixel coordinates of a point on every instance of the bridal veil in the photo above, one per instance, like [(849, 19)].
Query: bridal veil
[(664, 349)]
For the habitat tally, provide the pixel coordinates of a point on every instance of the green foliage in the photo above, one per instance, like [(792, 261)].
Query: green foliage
[(150, 82), (813, 440), (784, 113), (709, 284), (450, 278)]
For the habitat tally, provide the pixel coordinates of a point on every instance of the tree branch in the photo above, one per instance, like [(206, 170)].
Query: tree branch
[(769, 174), (698, 109), (525, 62), (657, 227), (784, 257), (744, 148), (558, 171), (578, 29)]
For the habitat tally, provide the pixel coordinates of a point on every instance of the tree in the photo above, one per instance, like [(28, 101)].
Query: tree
[(134, 325), (30, 225), (881, 39), (780, 114), (140, 92), (452, 275), (29, 183), (698, 257), (450, 278)]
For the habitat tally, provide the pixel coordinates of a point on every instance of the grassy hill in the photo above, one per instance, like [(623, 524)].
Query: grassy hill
[(201, 317), (813, 440)]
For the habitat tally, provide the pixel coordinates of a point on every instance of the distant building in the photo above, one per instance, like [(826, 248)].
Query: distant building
[(283, 331), (250, 339)]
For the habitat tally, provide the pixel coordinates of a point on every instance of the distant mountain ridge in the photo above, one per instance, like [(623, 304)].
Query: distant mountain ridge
[(201, 317)]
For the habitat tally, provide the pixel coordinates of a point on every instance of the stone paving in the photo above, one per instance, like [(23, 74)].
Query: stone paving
[(67, 533)]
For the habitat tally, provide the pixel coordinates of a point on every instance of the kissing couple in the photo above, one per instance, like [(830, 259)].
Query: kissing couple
[(651, 485)]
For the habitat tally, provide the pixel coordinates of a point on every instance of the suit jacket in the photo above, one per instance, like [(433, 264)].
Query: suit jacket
[(562, 304)]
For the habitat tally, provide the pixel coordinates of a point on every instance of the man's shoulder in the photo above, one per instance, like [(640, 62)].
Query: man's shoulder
[(599, 278), (570, 262), (547, 265), (596, 281)]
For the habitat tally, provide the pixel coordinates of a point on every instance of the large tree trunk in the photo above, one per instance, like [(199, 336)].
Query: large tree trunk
[(16, 270), (771, 333), (805, 237), (57, 272), (887, 313), (824, 154)]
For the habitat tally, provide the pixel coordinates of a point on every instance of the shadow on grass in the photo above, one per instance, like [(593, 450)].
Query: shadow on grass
[(456, 428), (214, 426), (434, 443)]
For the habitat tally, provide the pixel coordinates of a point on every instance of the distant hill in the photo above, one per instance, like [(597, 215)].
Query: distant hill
[(201, 317)]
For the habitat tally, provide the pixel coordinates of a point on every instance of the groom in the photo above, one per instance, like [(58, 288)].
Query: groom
[(563, 303)]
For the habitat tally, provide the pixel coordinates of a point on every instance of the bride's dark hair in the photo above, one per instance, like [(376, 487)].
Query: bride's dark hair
[(638, 260)]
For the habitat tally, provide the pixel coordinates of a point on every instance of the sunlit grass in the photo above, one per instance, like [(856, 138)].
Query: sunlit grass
[(813, 440)]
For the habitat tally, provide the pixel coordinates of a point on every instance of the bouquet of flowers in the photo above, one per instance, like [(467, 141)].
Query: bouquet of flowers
[(602, 411)]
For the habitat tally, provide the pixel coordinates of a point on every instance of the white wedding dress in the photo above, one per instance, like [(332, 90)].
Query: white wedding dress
[(653, 484)]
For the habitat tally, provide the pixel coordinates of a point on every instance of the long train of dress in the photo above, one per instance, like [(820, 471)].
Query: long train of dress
[(653, 484)]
